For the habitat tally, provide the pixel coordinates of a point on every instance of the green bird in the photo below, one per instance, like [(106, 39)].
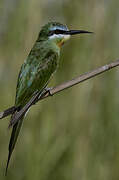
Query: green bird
[(37, 70)]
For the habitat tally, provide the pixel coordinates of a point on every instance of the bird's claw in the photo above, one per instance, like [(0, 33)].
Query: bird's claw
[(47, 90)]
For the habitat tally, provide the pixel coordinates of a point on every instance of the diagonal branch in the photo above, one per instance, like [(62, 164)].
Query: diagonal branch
[(80, 79), (59, 88)]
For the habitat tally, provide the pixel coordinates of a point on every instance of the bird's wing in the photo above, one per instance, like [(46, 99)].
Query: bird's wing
[(26, 77), (34, 77)]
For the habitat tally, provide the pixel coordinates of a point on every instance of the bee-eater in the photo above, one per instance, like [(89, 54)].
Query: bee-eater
[(37, 69)]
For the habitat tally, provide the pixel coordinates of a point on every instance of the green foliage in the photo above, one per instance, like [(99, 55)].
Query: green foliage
[(73, 135)]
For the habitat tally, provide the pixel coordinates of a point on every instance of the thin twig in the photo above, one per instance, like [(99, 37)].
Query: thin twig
[(59, 88), (7, 112), (80, 79)]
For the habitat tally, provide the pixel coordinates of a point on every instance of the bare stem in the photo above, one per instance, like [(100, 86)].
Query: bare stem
[(80, 79)]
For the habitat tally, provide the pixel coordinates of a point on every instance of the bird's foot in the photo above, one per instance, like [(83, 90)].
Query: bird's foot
[(47, 90), (43, 93)]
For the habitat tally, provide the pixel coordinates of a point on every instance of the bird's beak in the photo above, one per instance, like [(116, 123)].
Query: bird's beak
[(73, 32)]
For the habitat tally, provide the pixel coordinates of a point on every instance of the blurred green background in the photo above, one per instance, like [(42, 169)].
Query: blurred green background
[(73, 135)]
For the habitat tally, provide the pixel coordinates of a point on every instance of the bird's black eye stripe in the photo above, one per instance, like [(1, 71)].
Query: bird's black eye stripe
[(56, 31)]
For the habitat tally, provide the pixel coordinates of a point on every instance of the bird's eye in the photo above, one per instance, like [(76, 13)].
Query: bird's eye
[(57, 31), (51, 33)]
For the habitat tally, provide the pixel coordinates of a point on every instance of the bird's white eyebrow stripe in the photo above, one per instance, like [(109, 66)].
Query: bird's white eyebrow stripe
[(58, 28)]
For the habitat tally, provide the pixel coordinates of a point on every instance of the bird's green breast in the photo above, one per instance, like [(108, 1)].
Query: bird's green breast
[(36, 71)]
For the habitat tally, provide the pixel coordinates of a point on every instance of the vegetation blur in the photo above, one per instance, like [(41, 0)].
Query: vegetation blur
[(73, 135)]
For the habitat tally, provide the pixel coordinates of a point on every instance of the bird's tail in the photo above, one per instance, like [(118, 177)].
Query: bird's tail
[(14, 135)]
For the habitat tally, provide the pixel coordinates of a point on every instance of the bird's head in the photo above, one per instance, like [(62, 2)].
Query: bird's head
[(57, 33)]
